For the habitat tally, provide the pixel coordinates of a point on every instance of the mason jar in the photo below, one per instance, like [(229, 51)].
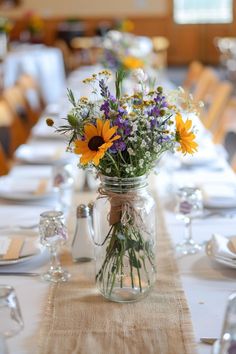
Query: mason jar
[(125, 238)]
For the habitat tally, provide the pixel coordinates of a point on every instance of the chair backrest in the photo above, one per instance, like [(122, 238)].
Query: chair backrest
[(32, 92), (212, 116), (194, 71), (205, 85), (4, 164), (12, 129), (17, 101), (160, 47)]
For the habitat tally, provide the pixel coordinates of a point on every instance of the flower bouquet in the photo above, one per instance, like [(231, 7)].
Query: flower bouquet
[(122, 137), (123, 50)]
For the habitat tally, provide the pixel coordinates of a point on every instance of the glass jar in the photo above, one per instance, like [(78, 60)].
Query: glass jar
[(125, 238)]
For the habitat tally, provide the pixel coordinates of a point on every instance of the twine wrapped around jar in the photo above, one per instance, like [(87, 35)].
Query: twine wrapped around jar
[(122, 207)]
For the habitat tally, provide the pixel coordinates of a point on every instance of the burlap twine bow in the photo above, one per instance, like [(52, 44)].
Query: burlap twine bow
[(122, 207)]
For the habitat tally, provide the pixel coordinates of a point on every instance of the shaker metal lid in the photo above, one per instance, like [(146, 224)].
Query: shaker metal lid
[(82, 211)]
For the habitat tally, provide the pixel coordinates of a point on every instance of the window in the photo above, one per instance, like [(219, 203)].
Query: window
[(203, 11)]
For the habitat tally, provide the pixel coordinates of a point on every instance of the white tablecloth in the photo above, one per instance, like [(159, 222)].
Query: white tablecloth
[(45, 64)]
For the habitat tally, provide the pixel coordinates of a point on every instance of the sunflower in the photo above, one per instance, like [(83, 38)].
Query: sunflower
[(98, 139), (185, 136)]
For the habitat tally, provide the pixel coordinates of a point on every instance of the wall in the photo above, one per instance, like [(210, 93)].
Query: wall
[(151, 18), (81, 8)]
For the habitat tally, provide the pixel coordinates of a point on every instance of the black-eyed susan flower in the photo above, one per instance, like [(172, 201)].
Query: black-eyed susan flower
[(97, 140), (184, 136)]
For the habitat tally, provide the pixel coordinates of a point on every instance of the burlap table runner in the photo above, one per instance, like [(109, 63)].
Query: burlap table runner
[(79, 320)]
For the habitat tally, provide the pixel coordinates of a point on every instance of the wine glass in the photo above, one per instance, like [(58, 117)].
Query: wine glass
[(11, 321), (63, 183), (189, 206), (53, 234)]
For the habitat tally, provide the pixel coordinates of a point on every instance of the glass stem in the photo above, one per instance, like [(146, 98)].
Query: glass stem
[(3, 345), (54, 262), (188, 230)]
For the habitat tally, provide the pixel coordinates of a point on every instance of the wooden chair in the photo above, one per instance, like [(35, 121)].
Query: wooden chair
[(87, 48), (12, 129), (213, 114), (160, 48), (205, 85), (32, 93), (4, 164), (195, 69), (228, 121), (15, 98), (71, 60)]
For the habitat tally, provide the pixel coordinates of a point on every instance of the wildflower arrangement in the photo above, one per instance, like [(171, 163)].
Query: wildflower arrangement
[(123, 136), (122, 50), (5, 25)]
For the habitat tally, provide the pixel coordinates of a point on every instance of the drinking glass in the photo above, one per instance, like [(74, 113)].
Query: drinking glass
[(53, 234), (227, 342), (189, 206), (11, 321)]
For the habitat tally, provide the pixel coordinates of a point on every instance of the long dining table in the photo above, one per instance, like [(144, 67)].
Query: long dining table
[(206, 284)]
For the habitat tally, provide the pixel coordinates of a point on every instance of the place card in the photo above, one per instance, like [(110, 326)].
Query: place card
[(42, 187), (232, 244), (14, 249)]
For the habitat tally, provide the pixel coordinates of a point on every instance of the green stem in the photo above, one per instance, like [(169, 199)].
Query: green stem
[(131, 271), (114, 163)]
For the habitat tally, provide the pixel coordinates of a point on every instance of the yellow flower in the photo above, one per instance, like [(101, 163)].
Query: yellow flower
[(130, 62), (98, 139), (185, 136)]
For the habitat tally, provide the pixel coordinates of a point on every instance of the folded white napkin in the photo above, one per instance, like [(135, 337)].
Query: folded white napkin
[(27, 186), (223, 246)]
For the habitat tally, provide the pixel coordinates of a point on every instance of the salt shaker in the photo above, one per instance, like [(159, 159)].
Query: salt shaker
[(82, 245)]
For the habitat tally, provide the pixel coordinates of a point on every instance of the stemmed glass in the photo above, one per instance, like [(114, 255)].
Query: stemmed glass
[(11, 321), (53, 234), (189, 206), (63, 182)]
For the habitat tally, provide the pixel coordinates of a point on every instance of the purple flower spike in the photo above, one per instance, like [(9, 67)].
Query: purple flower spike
[(105, 108)]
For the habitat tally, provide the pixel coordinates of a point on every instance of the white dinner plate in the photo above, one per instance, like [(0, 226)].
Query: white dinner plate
[(41, 154), (31, 240), (27, 189), (219, 259), (219, 195)]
